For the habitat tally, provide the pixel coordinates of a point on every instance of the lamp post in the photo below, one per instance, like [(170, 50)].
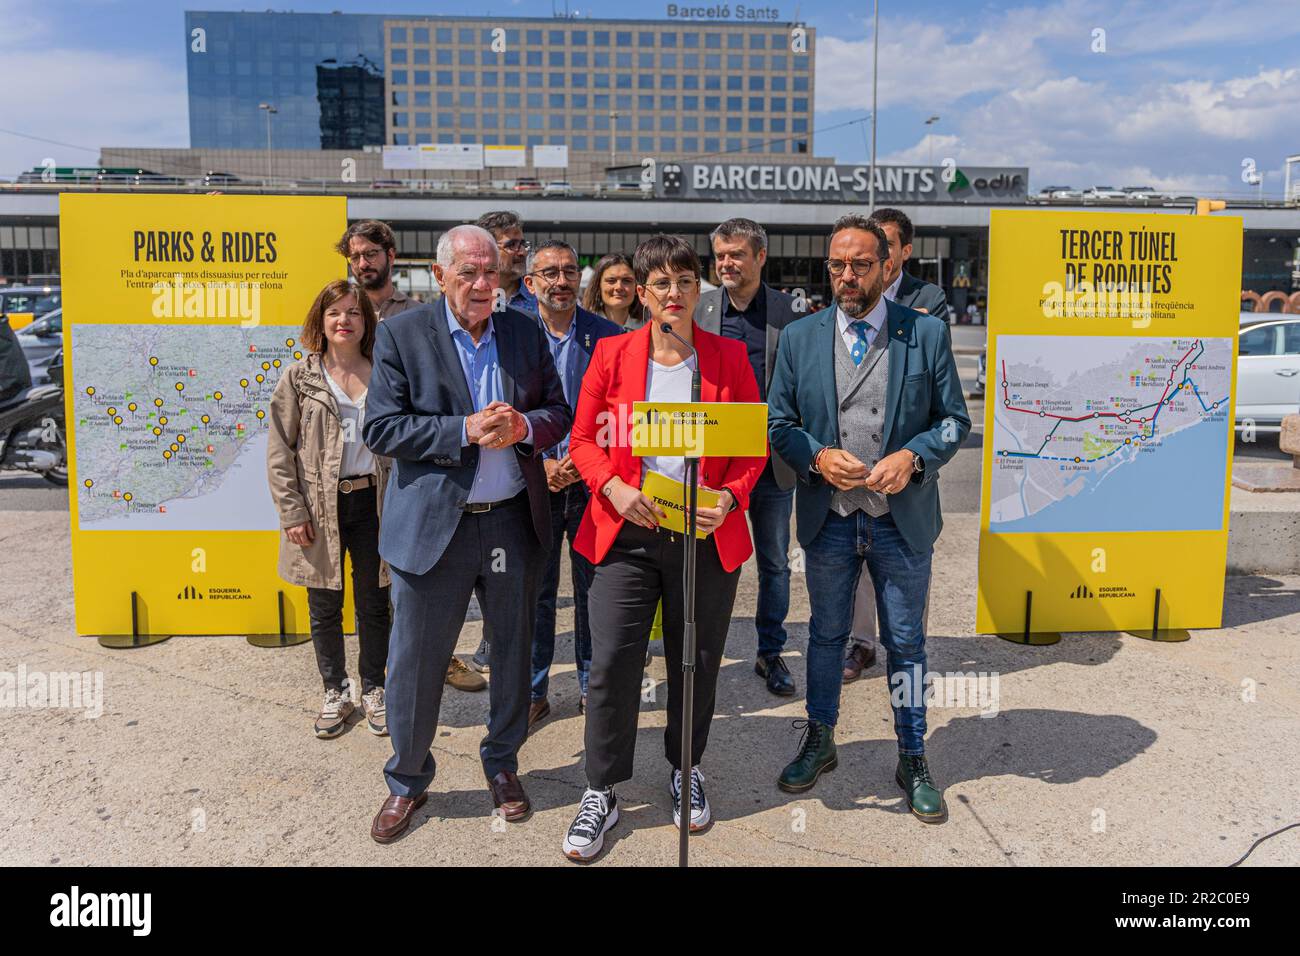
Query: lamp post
[(875, 57), (613, 139), (269, 110), (929, 137)]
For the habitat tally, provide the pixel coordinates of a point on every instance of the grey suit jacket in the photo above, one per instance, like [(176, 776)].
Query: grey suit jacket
[(780, 313), (922, 296)]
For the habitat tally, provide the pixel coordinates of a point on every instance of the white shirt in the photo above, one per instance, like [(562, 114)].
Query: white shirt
[(875, 318), (357, 458), (667, 383), (892, 292)]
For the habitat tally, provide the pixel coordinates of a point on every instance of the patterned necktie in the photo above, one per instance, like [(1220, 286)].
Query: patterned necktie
[(862, 329)]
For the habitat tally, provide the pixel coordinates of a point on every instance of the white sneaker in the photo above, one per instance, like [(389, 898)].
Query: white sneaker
[(700, 813), (596, 814), (372, 705), (336, 710)]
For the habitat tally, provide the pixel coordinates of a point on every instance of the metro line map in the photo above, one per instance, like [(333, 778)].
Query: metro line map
[(1095, 433)]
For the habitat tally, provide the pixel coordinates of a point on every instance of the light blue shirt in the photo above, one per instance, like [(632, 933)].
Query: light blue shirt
[(875, 318), (523, 300), (498, 476), (564, 352)]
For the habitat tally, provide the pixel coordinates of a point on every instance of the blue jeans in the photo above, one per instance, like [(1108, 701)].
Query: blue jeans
[(769, 515), (567, 507), (902, 580)]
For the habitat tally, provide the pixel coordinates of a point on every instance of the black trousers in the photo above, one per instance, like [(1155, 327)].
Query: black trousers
[(359, 537), (642, 567)]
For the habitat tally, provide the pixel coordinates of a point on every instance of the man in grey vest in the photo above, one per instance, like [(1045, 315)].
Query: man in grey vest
[(920, 296), (866, 406), (747, 309)]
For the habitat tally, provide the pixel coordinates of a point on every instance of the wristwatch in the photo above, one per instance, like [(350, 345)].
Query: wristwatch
[(918, 463)]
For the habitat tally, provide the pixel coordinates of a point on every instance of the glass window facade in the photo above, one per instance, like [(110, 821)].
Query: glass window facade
[(343, 81)]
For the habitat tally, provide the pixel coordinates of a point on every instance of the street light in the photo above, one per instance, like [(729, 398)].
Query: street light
[(613, 138), (269, 110), (929, 139), (875, 57)]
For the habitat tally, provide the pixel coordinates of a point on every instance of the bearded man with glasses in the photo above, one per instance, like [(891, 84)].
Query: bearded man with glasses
[(866, 406), (571, 334)]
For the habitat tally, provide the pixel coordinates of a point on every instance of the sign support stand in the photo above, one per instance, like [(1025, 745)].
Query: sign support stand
[(1030, 637), (283, 639), (1174, 635), (123, 642)]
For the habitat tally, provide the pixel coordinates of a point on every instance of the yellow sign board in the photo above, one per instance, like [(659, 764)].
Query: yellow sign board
[(180, 315), (669, 495), (697, 429), (1108, 423)]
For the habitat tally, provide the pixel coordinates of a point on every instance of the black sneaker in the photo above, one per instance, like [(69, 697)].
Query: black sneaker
[(597, 813), (480, 659)]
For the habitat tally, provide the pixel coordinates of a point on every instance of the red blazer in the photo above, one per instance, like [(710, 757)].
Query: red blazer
[(616, 377)]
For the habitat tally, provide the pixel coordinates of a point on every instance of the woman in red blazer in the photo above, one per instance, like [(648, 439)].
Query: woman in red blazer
[(637, 562)]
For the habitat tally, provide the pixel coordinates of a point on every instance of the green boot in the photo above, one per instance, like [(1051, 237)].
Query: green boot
[(924, 799), (816, 756)]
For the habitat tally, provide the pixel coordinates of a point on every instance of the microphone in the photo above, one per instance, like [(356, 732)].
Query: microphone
[(667, 329)]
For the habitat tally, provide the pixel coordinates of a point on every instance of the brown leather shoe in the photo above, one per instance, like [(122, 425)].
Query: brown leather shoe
[(508, 794), (861, 656), (538, 711), (462, 678), (394, 817)]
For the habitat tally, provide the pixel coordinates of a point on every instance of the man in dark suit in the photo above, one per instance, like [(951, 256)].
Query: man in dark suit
[(749, 310), (921, 296), (866, 406), (463, 399), (572, 332)]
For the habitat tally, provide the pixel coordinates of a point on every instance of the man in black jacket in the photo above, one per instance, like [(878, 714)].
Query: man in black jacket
[(747, 309)]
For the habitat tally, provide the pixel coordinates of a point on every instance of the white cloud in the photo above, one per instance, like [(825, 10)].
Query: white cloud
[(85, 97)]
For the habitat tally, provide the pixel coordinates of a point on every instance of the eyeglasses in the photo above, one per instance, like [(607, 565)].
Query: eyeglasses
[(684, 285), (861, 267), (550, 275), (516, 245), (370, 255)]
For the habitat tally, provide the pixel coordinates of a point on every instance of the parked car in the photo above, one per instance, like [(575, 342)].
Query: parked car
[(40, 341), (25, 303), (1145, 193), (1105, 192), (557, 189), (527, 185), (1268, 369)]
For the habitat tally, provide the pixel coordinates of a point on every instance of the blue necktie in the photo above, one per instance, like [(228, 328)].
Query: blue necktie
[(862, 329)]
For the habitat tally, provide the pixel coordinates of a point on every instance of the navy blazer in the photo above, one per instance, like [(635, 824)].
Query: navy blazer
[(925, 412), (415, 408), (591, 329)]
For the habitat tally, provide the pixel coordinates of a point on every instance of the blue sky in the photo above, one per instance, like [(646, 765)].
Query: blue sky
[(1181, 95)]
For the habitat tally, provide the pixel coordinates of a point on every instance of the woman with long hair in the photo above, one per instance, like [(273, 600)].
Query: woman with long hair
[(329, 490)]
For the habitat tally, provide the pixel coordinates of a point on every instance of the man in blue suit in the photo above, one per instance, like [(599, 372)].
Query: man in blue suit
[(571, 333), (866, 406), (464, 398)]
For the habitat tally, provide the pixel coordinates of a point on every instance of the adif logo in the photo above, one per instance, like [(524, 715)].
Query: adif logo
[(103, 909)]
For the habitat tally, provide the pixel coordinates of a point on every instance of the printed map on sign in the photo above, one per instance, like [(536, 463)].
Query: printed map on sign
[(170, 425), (1097, 433)]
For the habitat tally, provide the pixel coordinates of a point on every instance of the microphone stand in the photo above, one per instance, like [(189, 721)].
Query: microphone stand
[(689, 487)]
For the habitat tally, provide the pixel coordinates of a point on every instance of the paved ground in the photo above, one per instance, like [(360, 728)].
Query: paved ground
[(1105, 749)]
